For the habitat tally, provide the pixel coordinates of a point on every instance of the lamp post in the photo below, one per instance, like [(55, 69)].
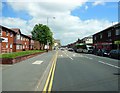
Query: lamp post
[(48, 19), (47, 25)]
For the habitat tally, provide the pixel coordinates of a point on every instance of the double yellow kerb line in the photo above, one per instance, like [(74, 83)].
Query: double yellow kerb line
[(48, 85)]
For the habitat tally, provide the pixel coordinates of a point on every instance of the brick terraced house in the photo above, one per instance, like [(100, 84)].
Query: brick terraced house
[(12, 40), (8, 36)]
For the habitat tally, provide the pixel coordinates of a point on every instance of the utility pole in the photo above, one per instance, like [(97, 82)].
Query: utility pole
[(47, 25)]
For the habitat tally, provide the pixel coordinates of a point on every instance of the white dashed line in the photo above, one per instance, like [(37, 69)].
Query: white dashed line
[(68, 56), (109, 64), (74, 55)]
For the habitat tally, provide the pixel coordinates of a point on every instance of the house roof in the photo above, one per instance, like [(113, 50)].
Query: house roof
[(113, 26), (7, 28), (17, 30)]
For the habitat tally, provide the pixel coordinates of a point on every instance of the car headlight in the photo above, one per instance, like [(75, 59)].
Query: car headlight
[(105, 53)]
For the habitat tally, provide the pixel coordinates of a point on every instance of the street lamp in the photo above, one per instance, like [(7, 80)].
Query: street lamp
[(48, 19), (47, 25)]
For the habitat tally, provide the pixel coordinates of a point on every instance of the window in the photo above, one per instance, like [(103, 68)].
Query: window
[(100, 35), (23, 46), (6, 33), (109, 34), (118, 31), (11, 34), (18, 36), (17, 47), (95, 37), (10, 45), (6, 45), (0, 32), (20, 46), (21, 38)]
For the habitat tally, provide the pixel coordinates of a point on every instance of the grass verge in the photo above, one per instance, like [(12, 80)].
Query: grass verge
[(18, 54)]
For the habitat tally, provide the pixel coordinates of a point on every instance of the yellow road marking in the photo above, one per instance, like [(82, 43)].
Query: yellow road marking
[(51, 81), (46, 84), (50, 73), (44, 73)]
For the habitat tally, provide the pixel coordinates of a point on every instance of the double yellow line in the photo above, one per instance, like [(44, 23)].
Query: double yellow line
[(48, 85)]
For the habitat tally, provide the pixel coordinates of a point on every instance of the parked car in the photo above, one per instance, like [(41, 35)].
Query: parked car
[(115, 54), (62, 48), (79, 50), (70, 49), (103, 52), (84, 49)]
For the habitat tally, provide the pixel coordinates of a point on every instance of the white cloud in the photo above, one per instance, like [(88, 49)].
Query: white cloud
[(65, 27), (16, 23), (99, 2)]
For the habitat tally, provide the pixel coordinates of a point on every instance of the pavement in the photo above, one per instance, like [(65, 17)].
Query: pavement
[(27, 75), (62, 71)]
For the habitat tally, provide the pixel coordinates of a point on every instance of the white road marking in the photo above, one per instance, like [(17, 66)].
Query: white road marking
[(37, 62), (74, 55), (68, 56), (109, 64)]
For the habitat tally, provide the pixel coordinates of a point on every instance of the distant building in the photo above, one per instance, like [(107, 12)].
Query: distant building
[(107, 37), (72, 45), (87, 40), (36, 45), (57, 43)]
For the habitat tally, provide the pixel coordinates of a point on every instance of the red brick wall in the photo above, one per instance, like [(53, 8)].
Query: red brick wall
[(36, 45), (10, 40), (25, 44)]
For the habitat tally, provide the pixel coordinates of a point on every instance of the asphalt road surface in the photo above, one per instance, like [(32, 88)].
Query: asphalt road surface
[(70, 72), (85, 72), (28, 75)]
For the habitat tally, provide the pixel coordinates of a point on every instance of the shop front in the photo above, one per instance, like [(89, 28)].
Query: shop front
[(104, 45)]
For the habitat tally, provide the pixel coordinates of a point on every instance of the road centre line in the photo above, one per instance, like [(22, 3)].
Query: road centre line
[(50, 76), (109, 64), (40, 80), (51, 81)]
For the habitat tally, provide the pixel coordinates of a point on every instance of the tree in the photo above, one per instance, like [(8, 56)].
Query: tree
[(43, 34)]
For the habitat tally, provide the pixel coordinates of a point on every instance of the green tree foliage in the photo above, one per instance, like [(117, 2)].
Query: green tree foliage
[(43, 34)]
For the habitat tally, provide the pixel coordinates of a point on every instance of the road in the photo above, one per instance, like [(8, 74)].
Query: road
[(85, 72), (62, 71), (28, 75)]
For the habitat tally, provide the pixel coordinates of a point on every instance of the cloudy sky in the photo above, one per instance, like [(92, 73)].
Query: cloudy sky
[(73, 18)]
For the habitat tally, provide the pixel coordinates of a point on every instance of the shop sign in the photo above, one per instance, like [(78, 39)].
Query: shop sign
[(117, 42)]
